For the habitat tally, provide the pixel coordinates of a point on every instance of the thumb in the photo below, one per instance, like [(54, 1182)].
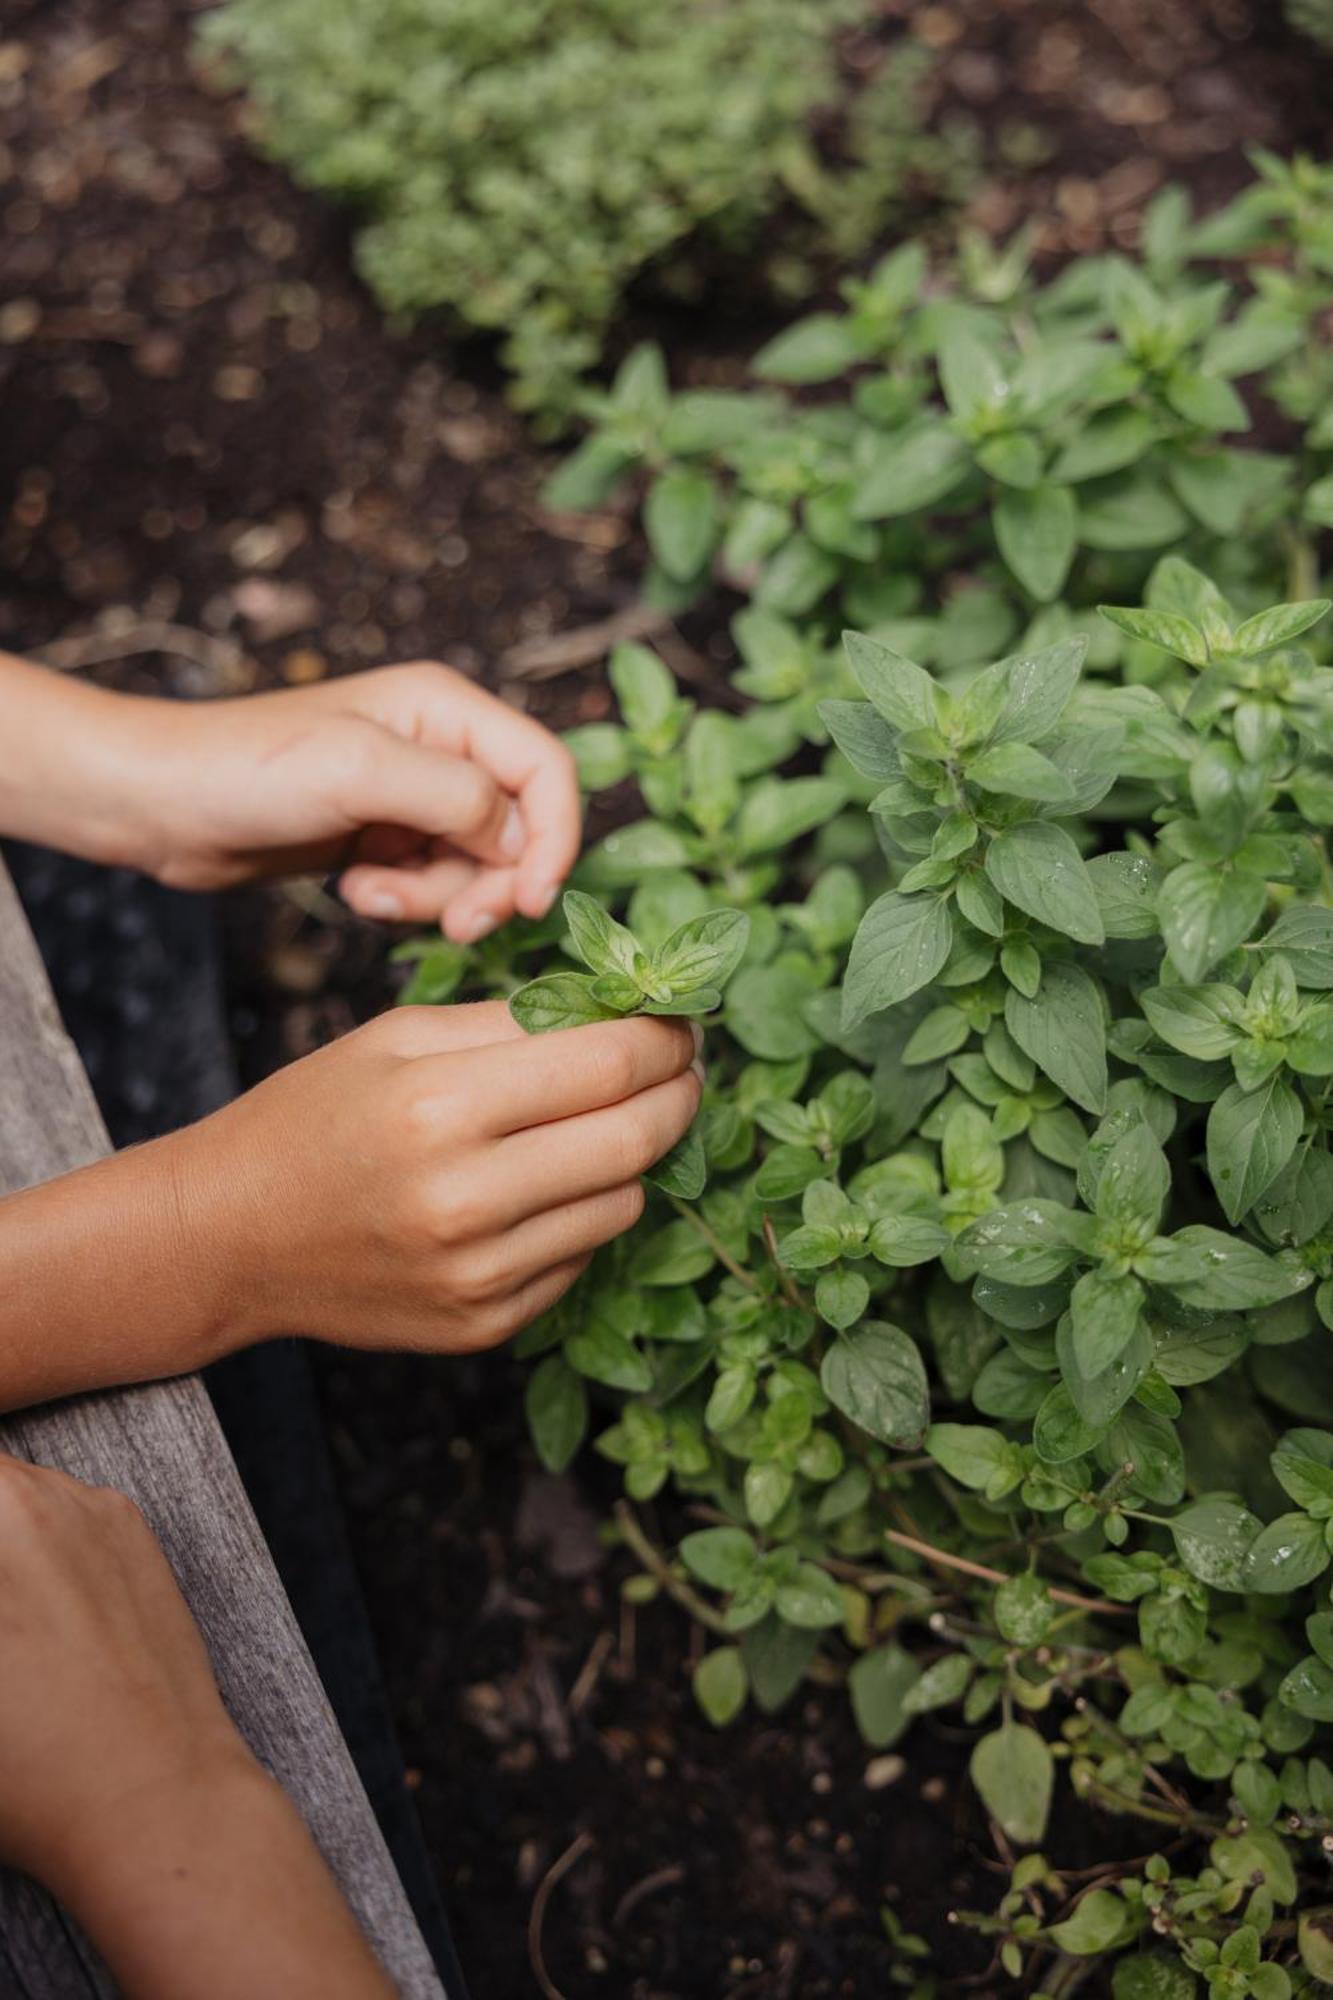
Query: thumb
[(400, 783)]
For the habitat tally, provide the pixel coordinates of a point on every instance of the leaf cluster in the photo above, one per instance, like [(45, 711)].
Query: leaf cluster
[(992, 1355), (521, 165)]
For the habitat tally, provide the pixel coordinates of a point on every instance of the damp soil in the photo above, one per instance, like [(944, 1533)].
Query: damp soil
[(220, 471)]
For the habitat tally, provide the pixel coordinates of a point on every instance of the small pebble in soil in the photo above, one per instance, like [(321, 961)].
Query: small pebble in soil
[(883, 1771), (821, 1782), (934, 1790)]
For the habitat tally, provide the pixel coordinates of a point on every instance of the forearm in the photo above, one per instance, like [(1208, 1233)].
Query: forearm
[(116, 1274), (76, 765), (217, 1892)]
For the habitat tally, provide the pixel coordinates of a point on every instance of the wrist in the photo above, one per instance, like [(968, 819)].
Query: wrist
[(124, 1842), (82, 769)]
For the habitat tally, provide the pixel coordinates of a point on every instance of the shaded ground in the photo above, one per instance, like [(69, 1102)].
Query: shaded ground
[(208, 428)]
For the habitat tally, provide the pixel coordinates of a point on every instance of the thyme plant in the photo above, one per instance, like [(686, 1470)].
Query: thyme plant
[(983, 1347), (521, 165)]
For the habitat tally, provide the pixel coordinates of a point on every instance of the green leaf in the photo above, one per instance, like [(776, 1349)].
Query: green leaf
[(1288, 1553), (879, 1683), (814, 350), (1251, 1136), (973, 1454), (902, 692), (914, 470), (1108, 442), (1279, 626), (1025, 1243), (1219, 1273), (1206, 401), (1308, 1689), (1304, 936), (1063, 1029), (865, 738), (1314, 1941), (683, 1171), (1205, 913), (1024, 1610), (1167, 629), (1037, 533), (602, 943), (557, 1411), (559, 1000), (779, 810), (904, 1240), (601, 752), (875, 1375), (604, 1355), (1213, 1537), (1039, 687), (723, 1558), (1134, 1182), (645, 689), (1022, 772), (1202, 1021), (680, 517), (1154, 1975), (721, 1685), (1101, 1920), (841, 1297), (900, 945), (1014, 1772), (703, 952), (811, 1600), (1104, 1313), (776, 1657), (1037, 867), (1303, 1467)]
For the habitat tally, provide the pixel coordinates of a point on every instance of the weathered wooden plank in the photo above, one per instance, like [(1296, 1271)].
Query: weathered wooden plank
[(161, 1444)]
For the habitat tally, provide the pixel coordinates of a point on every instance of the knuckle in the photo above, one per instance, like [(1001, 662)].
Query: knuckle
[(626, 1206), (473, 1276), (640, 1145), (351, 748), (119, 1508), (475, 799), (614, 1066)]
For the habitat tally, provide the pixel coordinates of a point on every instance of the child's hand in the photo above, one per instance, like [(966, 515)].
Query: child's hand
[(108, 1710), (433, 1181), (124, 1785), (438, 802)]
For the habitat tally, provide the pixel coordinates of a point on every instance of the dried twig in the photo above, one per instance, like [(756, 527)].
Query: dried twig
[(1101, 1605), (662, 1878), (542, 659), (556, 1873), (590, 1673)]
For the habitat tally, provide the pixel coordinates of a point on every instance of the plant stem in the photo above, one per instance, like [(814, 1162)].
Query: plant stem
[(714, 1242), (983, 1571), (657, 1565)]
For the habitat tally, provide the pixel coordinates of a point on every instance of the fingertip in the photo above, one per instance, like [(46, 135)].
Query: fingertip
[(370, 894)]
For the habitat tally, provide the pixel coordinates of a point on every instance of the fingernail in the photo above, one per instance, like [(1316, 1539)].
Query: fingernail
[(513, 835), (544, 898), (698, 1070), (480, 927), (698, 1034), (382, 903)]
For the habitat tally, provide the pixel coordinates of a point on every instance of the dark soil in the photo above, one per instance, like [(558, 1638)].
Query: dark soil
[(209, 429)]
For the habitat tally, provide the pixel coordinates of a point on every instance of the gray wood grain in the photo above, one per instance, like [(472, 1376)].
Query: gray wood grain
[(161, 1444)]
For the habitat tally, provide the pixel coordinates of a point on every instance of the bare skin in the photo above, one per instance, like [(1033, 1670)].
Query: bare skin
[(433, 1181), (124, 1786)]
